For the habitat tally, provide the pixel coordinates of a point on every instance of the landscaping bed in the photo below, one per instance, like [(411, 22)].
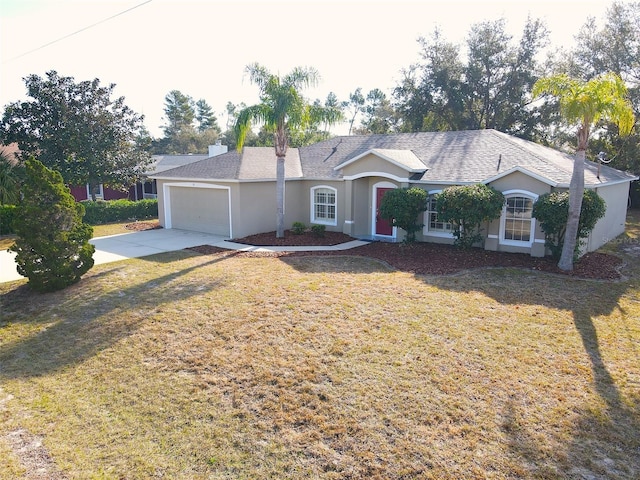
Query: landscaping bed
[(430, 258)]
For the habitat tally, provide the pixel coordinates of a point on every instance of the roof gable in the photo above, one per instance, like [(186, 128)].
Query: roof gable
[(260, 163), (404, 159)]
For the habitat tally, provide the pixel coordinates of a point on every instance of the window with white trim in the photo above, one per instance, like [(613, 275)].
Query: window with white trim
[(149, 189), (98, 189), (518, 222), (323, 205), (433, 224)]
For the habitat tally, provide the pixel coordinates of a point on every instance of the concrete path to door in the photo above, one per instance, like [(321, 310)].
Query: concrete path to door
[(150, 242)]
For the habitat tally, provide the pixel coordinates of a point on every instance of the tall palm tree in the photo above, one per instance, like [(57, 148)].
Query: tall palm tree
[(584, 104), (282, 109)]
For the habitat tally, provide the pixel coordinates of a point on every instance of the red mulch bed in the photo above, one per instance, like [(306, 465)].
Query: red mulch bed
[(429, 258), (140, 226)]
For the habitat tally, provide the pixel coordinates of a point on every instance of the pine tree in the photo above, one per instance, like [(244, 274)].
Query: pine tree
[(52, 245)]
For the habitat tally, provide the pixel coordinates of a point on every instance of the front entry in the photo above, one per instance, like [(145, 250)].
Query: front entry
[(383, 227)]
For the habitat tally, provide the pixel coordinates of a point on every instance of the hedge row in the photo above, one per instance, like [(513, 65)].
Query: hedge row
[(7, 214), (99, 212), (96, 213)]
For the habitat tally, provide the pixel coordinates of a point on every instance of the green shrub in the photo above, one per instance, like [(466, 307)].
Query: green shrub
[(402, 208), (298, 228), (7, 214), (552, 211), (318, 230), (52, 244), (102, 211), (466, 208)]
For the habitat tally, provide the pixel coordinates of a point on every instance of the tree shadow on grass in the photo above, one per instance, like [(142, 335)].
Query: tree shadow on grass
[(605, 442), (89, 316)]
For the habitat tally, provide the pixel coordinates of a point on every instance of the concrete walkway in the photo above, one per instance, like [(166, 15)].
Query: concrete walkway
[(150, 242)]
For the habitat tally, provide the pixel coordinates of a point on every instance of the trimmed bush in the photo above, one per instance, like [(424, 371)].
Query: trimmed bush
[(298, 228), (466, 208), (7, 214), (318, 230), (101, 211), (402, 208), (552, 211)]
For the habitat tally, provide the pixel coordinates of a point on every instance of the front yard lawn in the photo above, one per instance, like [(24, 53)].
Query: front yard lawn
[(217, 366)]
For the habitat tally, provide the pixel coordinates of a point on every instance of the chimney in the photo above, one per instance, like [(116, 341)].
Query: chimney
[(217, 149)]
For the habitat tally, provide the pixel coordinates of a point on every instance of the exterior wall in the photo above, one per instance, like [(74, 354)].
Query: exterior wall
[(110, 194), (361, 207), (520, 181), (80, 193), (253, 207), (518, 184), (613, 222), (299, 204), (372, 164)]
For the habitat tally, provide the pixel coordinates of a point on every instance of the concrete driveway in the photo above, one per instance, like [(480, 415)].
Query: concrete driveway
[(150, 242), (126, 245)]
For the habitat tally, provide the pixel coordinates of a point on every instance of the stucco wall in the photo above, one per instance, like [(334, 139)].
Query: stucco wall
[(361, 194), (371, 164), (613, 223), (253, 208), (302, 203)]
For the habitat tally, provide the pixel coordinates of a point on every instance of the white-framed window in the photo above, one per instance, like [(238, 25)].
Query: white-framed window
[(149, 189), (323, 205), (98, 189), (432, 225), (517, 226)]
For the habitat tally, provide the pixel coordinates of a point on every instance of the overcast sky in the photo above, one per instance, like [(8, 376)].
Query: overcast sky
[(201, 47)]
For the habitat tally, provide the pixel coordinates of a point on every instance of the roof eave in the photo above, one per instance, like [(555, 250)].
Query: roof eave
[(192, 179)]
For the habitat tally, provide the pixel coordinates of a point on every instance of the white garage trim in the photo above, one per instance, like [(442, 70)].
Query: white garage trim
[(166, 190)]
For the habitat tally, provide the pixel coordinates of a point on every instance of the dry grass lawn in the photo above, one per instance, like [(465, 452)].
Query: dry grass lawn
[(219, 366)]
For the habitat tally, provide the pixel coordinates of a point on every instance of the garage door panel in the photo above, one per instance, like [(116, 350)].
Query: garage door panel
[(200, 209)]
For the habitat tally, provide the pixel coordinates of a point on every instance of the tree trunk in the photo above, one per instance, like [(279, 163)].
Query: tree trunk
[(576, 192), (280, 197)]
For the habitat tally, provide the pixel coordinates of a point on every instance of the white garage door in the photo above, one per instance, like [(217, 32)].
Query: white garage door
[(200, 209)]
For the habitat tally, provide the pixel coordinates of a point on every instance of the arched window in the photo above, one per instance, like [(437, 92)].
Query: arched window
[(323, 205), (517, 224)]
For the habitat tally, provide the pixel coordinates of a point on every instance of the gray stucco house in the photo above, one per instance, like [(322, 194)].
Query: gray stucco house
[(339, 183)]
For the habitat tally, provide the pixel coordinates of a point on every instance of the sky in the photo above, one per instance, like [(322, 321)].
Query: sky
[(148, 48)]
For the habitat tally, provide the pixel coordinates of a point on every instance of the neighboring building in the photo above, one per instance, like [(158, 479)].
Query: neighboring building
[(160, 163), (142, 190), (145, 189), (339, 183)]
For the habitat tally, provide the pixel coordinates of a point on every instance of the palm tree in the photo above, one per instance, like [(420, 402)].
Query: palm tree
[(584, 104), (282, 109)]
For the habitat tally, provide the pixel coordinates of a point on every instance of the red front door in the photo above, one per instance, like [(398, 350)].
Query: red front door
[(383, 227)]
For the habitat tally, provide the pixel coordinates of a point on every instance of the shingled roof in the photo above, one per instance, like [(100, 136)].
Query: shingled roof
[(161, 163), (460, 157)]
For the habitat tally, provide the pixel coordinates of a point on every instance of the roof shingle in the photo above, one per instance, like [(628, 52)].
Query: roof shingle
[(459, 157)]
